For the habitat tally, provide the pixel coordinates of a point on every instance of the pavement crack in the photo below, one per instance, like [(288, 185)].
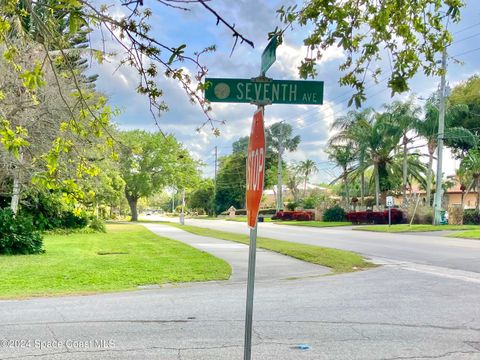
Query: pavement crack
[(359, 332), (343, 322), (257, 334), (449, 353), (178, 350), (473, 344)]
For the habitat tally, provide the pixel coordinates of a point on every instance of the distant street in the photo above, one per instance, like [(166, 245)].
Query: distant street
[(409, 249)]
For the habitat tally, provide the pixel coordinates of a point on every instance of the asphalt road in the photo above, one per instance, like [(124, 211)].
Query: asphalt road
[(387, 313), (408, 249)]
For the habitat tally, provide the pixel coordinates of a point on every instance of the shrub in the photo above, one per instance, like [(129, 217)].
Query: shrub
[(471, 217), (335, 213), (309, 202), (423, 214), (455, 215), (71, 221), (294, 215), (18, 234), (272, 211), (97, 224), (45, 208), (292, 206), (375, 217)]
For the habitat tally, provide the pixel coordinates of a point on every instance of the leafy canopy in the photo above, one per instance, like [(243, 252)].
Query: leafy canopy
[(411, 33)]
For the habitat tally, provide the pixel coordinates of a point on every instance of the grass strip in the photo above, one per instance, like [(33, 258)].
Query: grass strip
[(121, 259), (415, 228), (471, 234), (340, 261)]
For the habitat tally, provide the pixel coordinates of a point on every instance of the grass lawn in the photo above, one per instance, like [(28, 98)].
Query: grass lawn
[(315, 223), (471, 234), (340, 261), (415, 228), (122, 259)]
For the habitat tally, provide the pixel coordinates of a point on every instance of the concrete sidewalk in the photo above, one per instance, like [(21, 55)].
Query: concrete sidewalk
[(269, 265)]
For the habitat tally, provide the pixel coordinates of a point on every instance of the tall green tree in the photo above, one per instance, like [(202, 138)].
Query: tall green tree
[(468, 94), (350, 132), (280, 136), (427, 128), (151, 161), (307, 168), (404, 117), (202, 197), (470, 167), (293, 180), (231, 182), (343, 156)]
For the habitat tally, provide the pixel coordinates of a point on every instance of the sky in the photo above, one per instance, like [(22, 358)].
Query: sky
[(255, 19)]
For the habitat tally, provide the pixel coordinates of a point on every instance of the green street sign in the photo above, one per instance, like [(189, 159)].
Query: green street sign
[(266, 92), (268, 55)]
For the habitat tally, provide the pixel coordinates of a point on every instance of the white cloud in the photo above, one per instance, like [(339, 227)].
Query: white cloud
[(290, 56), (254, 20)]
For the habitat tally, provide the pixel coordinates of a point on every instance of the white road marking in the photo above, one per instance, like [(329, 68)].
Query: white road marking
[(468, 276)]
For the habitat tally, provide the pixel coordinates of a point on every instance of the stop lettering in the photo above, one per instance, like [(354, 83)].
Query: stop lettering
[(255, 168)]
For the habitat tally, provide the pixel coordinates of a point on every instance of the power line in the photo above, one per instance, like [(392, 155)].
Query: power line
[(466, 28), (466, 52)]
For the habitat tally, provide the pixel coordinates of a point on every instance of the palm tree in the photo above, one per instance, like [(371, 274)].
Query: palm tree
[(348, 127), (280, 138), (307, 168), (404, 118), (470, 166), (343, 156), (293, 180), (428, 129), (374, 138)]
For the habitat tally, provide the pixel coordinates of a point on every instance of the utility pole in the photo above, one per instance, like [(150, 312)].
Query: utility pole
[(215, 183), (182, 214), (441, 129), (279, 171)]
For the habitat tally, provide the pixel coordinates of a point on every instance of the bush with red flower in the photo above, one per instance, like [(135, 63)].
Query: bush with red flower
[(294, 215), (375, 217)]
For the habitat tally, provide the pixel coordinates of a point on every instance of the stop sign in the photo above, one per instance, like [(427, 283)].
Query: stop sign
[(255, 168)]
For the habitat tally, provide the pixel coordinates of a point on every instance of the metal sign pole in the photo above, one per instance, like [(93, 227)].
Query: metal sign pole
[(389, 216), (250, 289), (252, 255)]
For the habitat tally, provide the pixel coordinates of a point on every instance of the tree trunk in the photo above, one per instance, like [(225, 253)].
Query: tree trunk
[(405, 169), (478, 193), (429, 178), (305, 186), (347, 193), (279, 181), (377, 185), (362, 189), (15, 192), (132, 203), (17, 185)]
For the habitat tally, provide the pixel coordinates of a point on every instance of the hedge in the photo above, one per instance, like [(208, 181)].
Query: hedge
[(471, 217), (375, 217), (294, 215)]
